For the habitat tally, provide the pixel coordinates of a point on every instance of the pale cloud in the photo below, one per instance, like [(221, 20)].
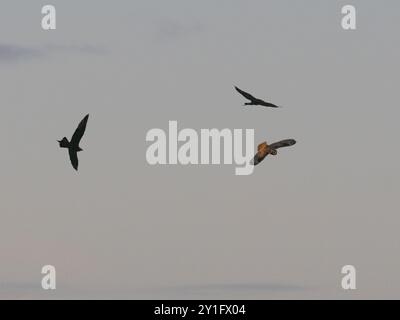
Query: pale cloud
[(9, 53), (168, 29), (17, 53)]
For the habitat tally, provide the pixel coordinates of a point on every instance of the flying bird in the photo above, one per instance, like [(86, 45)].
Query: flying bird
[(255, 101), (264, 149), (73, 145)]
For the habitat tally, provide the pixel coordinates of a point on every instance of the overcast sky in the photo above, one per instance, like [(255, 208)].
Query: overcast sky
[(120, 228)]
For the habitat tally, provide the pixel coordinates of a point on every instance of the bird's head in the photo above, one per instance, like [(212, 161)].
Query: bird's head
[(274, 152)]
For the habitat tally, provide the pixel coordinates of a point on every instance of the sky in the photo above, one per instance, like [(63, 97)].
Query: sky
[(121, 228)]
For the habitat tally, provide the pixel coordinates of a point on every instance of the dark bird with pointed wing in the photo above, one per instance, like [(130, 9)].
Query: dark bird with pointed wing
[(73, 145), (255, 101), (264, 149)]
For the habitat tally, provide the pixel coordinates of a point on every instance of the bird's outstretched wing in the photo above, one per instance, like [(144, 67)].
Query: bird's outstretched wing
[(73, 155), (267, 104), (78, 134), (254, 161), (262, 152), (245, 94), (283, 143)]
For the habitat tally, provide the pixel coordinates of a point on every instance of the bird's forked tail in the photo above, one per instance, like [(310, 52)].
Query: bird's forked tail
[(64, 143)]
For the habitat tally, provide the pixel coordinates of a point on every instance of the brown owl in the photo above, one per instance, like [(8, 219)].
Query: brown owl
[(264, 149)]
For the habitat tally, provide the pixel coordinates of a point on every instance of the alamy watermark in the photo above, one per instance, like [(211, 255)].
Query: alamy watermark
[(187, 146)]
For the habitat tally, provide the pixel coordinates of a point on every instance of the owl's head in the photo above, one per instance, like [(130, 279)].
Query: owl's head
[(274, 152)]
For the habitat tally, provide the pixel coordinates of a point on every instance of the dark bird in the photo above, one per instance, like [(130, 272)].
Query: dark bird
[(73, 145), (264, 149), (255, 101)]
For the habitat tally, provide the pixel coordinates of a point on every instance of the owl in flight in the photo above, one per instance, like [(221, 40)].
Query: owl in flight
[(264, 149)]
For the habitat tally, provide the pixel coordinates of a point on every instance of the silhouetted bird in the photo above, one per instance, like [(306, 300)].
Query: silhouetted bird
[(264, 149), (73, 145), (255, 101)]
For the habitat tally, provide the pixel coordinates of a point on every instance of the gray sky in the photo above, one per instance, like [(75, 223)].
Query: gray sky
[(121, 228)]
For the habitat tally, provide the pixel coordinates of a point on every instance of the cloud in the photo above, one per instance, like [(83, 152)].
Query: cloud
[(15, 53), (11, 53), (74, 48), (168, 29)]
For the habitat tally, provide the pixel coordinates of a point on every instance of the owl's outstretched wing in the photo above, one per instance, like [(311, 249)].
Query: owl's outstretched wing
[(262, 152), (283, 143)]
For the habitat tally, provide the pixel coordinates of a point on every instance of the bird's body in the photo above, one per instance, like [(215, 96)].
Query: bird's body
[(255, 101), (264, 149), (73, 145)]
